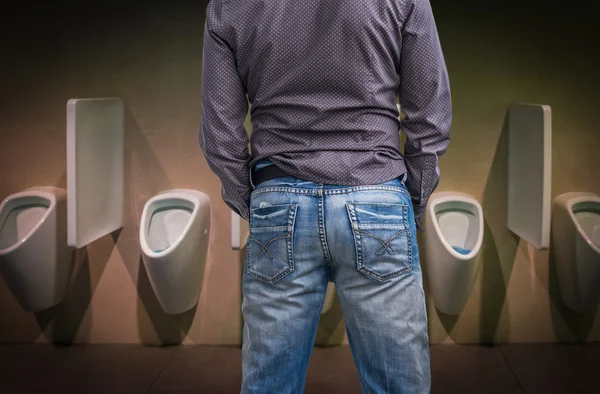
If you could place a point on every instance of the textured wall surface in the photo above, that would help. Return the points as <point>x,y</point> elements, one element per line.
<point>150,56</point>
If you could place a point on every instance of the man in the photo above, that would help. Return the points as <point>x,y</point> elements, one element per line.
<point>332,199</point>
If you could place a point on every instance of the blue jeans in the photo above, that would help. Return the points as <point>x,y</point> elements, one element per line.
<point>363,239</point>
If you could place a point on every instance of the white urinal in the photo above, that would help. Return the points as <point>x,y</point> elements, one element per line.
<point>174,236</point>
<point>453,239</point>
<point>35,260</point>
<point>576,244</point>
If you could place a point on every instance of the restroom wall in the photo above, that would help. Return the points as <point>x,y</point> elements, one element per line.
<point>150,56</point>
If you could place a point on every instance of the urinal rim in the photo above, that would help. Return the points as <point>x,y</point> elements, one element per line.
<point>24,194</point>
<point>459,197</point>
<point>164,196</point>
<point>576,199</point>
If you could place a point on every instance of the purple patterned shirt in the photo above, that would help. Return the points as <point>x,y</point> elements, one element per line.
<point>323,77</point>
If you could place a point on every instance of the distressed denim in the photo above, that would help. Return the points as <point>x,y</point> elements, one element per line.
<point>363,239</point>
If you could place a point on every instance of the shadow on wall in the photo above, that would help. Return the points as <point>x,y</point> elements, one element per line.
<point>499,243</point>
<point>61,323</point>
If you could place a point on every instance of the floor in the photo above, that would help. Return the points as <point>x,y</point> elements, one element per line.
<point>506,369</point>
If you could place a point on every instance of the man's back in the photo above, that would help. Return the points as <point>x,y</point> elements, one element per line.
<point>322,78</point>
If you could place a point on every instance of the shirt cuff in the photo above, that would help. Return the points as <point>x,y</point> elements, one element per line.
<point>245,213</point>
<point>418,213</point>
<point>238,201</point>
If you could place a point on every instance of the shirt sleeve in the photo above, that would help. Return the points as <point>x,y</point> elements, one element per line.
<point>425,101</point>
<point>223,138</point>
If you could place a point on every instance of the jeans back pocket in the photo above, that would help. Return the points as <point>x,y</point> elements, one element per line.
<point>269,248</point>
<point>382,238</point>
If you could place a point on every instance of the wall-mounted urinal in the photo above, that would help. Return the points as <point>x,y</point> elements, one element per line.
<point>453,239</point>
<point>174,236</point>
<point>576,244</point>
<point>35,259</point>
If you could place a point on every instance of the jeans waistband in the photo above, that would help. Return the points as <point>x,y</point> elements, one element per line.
<point>401,180</point>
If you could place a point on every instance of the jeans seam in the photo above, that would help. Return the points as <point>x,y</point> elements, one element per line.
<point>321,216</point>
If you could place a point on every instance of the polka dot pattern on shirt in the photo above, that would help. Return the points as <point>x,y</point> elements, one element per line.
<point>323,77</point>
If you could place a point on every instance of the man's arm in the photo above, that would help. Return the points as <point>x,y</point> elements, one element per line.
<point>425,100</point>
<point>223,138</point>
